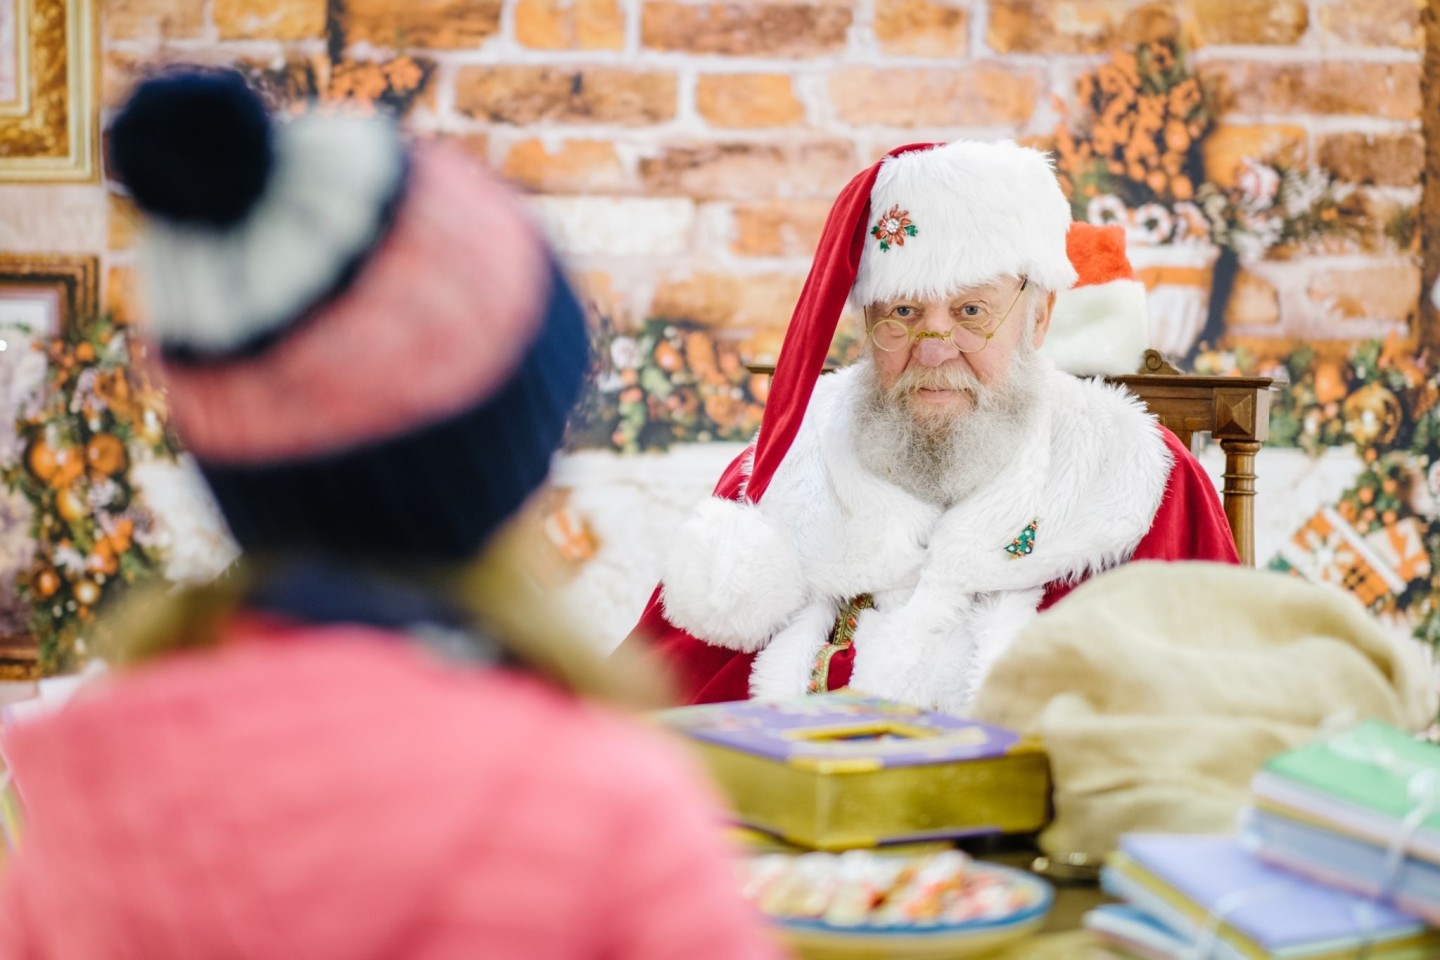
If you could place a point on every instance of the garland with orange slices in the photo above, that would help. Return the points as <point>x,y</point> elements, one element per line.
<point>96,414</point>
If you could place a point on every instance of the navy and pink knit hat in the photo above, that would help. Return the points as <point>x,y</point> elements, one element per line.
<point>367,344</point>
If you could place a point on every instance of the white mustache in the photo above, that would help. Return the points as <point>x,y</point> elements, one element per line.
<point>935,378</point>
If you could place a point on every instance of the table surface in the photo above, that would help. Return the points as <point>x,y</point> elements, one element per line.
<point>1075,945</point>
<point>1062,937</point>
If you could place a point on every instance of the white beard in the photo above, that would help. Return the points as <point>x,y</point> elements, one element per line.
<point>945,462</point>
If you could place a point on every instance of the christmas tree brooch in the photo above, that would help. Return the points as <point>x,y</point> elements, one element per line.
<point>1024,542</point>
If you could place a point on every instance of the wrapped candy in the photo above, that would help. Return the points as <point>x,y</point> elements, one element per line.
<point>864,882</point>
<point>869,889</point>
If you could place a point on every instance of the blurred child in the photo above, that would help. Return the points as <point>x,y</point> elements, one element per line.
<point>370,741</point>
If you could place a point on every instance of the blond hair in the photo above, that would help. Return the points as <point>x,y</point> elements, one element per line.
<point>500,591</point>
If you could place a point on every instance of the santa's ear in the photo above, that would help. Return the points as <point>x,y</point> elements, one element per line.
<point>1040,328</point>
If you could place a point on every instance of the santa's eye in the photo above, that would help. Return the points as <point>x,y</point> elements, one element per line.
<point>904,313</point>
<point>972,311</point>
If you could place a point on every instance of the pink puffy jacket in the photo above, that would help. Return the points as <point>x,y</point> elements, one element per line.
<point>331,793</point>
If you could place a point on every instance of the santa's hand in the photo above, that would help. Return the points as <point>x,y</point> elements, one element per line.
<point>732,577</point>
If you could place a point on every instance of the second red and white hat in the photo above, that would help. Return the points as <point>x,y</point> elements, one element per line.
<point>1100,326</point>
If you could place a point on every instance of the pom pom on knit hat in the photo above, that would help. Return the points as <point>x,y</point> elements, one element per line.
<point>375,353</point>
<point>1099,327</point>
<point>253,224</point>
<point>194,147</point>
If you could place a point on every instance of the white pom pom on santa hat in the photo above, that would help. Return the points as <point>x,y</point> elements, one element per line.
<point>1100,326</point>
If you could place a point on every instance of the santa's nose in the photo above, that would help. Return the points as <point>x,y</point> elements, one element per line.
<point>933,351</point>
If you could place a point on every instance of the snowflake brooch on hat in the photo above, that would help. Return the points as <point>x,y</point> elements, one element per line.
<point>894,227</point>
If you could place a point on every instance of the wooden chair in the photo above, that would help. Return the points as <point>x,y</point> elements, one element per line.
<point>1235,411</point>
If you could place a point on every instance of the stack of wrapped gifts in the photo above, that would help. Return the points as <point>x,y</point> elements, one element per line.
<point>1338,857</point>
<point>1360,811</point>
<point>1209,897</point>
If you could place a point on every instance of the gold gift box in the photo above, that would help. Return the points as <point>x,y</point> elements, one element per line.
<point>838,771</point>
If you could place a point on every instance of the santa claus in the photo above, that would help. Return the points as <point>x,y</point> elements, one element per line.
<point>896,523</point>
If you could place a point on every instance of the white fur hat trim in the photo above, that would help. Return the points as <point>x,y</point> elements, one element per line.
<point>978,211</point>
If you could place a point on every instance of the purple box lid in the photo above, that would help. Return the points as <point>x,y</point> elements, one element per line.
<point>841,727</point>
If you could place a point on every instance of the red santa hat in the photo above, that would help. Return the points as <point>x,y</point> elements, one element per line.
<point>1099,328</point>
<point>927,220</point>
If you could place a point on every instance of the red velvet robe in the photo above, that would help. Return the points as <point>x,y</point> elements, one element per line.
<point>1189,525</point>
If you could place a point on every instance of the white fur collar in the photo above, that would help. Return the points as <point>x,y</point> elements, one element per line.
<point>1091,472</point>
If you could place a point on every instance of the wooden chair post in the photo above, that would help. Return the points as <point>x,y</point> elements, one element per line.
<point>1238,493</point>
<point>1235,411</point>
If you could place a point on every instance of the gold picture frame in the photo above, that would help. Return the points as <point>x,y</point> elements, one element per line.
<point>49,124</point>
<point>44,294</point>
<point>72,280</point>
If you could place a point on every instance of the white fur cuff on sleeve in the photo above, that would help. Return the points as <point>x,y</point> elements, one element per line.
<point>732,577</point>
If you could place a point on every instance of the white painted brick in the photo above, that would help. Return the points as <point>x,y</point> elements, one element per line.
<point>618,227</point>
<point>52,219</point>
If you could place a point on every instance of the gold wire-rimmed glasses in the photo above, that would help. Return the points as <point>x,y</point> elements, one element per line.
<point>969,335</point>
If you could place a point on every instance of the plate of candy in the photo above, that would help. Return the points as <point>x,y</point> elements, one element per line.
<point>871,904</point>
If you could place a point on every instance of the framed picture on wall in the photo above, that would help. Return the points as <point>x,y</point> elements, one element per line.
<point>40,296</point>
<point>48,117</point>
<point>45,292</point>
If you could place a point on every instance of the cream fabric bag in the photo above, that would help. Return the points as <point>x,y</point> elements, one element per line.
<point>1160,688</point>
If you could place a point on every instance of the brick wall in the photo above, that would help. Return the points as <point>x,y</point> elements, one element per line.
<point>685,153</point>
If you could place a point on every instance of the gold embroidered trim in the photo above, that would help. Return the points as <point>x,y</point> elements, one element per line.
<point>842,637</point>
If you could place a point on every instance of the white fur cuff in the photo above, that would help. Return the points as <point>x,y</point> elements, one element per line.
<point>732,577</point>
